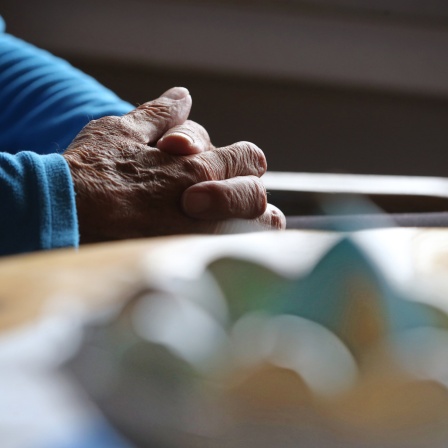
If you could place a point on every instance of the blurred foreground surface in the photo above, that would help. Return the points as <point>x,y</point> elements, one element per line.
<point>295,338</point>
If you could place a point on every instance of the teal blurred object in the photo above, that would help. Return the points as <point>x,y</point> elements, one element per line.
<point>346,289</point>
<point>348,294</point>
<point>249,286</point>
<point>243,356</point>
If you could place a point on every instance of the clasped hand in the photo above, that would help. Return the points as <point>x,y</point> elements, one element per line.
<point>153,172</point>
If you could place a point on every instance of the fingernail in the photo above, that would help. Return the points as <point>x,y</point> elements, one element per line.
<point>176,93</point>
<point>178,143</point>
<point>178,134</point>
<point>196,203</point>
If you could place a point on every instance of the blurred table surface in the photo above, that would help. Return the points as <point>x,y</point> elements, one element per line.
<point>105,274</point>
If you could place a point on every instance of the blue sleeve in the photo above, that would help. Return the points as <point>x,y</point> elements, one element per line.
<point>37,210</point>
<point>44,102</point>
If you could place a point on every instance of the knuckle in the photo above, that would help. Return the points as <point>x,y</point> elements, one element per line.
<point>159,108</point>
<point>254,197</point>
<point>108,122</point>
<point>112,119</point>
<point>259,197</point>
<point>201,169</point>
<point>253,156</point>
<point>121,127</point>
<point>104,125</point>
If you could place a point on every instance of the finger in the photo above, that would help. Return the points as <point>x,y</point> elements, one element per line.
<point>272,219</point>
<point>176,93</point>
<point>239,159</point>
<point>239,197</point>
<point>151,120</point>
<point>185,139</point>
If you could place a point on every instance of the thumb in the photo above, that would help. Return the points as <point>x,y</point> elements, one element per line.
<point>175,93</point>
<point>154,118</point>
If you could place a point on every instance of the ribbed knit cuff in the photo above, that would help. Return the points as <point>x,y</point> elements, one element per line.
<point>63,223</point>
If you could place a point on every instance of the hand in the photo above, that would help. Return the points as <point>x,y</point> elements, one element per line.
<point>238,197</point>
<point>127,188</point>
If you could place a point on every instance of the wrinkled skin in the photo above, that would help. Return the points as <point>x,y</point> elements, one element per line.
<point>146,173</point>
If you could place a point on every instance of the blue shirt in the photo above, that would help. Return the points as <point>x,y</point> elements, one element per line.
<point>44,102</point>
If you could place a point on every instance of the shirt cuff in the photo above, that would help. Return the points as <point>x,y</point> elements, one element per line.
<point>62,225</point>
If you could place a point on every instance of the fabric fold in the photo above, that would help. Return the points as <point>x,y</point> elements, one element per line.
<point>38,208</point>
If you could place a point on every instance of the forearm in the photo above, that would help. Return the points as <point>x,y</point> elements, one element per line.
<point>37,208</point>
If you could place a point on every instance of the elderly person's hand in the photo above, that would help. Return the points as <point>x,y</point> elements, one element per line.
<point>151,172</point>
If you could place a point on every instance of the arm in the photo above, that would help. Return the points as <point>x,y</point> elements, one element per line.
<point>37,208</point>
<point>45,101</point>
<point>125,186</point>
<point>37,196</point>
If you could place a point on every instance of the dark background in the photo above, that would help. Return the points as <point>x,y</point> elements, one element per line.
<point>320,86</point>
